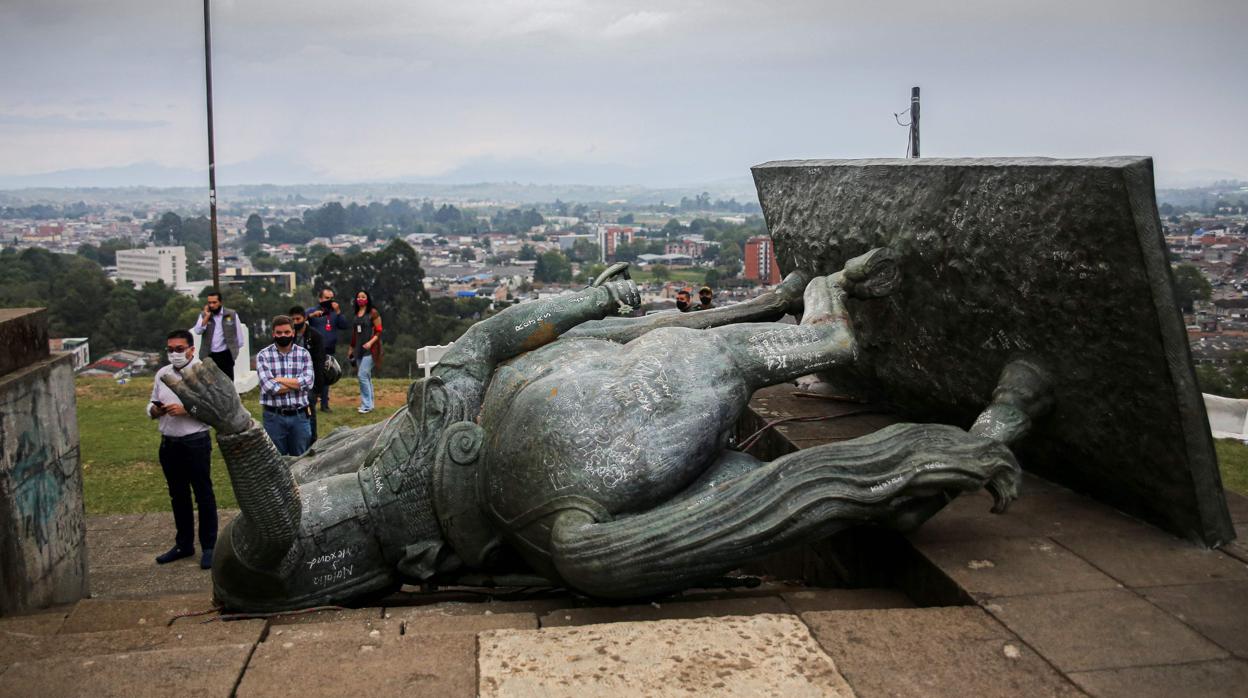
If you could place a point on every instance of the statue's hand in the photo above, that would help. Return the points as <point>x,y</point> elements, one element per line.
<point>625,294</point>
<point>871,275</point>
<point>616,271</point>
<point>209,396</point>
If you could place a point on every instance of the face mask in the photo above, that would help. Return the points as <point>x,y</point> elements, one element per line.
<point>706,300</point>
<point>178,359</point>
<point>298,326</point>
<point>283,341</point>
<point>682,304</point>
<point>361,302</point>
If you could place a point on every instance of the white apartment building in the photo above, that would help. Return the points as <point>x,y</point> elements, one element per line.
<point>166,264</point>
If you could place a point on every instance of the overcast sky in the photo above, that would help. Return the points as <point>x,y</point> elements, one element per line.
<point>622,91</point>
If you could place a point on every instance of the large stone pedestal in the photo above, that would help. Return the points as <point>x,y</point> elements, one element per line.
<point>43,551</point>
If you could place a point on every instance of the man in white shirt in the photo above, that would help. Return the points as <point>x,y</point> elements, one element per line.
<point>185,458</point>
<point>222,330</point>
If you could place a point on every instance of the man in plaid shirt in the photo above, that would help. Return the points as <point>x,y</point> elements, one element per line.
<point>286,379</point>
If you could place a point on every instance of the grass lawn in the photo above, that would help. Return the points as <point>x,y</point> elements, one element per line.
<point>1233,461</point>
<point>121,473</point>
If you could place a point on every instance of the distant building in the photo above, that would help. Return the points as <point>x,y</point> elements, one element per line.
<point>669,259</point>
<point>760,260</point>
<point>282,280</point>
<point>167,264</point>
<point>121,364</point>
<point>610,237</point>
<point>692,246</point>
<point>79,347</point>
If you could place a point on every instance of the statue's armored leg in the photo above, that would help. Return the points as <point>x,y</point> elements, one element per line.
<point>802,496</point>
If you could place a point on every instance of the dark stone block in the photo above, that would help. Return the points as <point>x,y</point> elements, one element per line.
<point>1059,260</point>
<point>23,337</point>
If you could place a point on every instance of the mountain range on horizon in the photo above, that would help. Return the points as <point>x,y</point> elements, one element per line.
<point>516,182</point>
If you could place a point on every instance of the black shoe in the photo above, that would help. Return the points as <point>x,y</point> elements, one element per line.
<point>325,408</point>
<point>175,553</point>
<point>205,562</point>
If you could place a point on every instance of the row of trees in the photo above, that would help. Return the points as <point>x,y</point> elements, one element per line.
<point>377,221</point>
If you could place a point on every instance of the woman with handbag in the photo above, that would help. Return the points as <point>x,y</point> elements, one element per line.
<point>365,349</point>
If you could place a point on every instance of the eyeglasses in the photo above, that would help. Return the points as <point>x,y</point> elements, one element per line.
<point>175,350</point>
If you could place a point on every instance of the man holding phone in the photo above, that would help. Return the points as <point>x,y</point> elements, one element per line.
<point>222,330</point>
<point>185,458</point>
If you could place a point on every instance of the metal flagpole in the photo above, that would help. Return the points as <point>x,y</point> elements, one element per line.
<point>212,160</point>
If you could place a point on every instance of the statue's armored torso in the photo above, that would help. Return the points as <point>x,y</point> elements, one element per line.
<point>602,427</point>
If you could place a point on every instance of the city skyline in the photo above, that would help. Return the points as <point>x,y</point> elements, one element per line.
<point>563,91</point>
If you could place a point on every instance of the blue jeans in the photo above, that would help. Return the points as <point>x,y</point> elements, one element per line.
<point>365,374</point>
<point>290,433</point>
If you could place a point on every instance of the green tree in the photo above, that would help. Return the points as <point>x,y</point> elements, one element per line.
<point>661,272</point>
<point>527,253</point>
<point>1190,285</point>
<point>254,228</point>
<point>168,229</point>
<point>552,267</point>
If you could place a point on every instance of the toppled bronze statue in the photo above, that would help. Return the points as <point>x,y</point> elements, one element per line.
<point>557,440</point>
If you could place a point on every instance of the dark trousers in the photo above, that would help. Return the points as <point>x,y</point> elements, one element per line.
<point>224,361</point>
<point>322,391</point>
<point>312,421</point>
<point>290,433</point>
<point>186,462</point>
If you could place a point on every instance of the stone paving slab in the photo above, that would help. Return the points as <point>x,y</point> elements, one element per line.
<point>415,626</point>
<point>1154,558</point>
<point>951,651</point>
<point>969,517</point>
<point>373,630</point>
<point>110,522</point>
<point>845,599</point>
<point>194,671</point>
<point>1059,512</point>
<point>993,567</point>
<point>47,623</point>
<point>93,615</point>
<point>433,665</point>
<point>1238,506</point>
<point>24,648</point>
<point>762,655</point>
<point>540,606</point>
<point>663,611</point>
<point>1219,611</point>
<point>1217,679</point>
<point>149,581</point>
<point>1238,548</point>
<point>1088,630</point>
<point>328,616</point>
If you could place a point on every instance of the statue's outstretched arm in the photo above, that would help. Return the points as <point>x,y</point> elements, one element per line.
<point>528,326</point>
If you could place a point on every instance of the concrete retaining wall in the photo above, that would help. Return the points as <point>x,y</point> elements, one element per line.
<point>43,551</point>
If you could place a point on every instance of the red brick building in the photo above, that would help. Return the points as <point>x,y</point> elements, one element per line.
<point>760,260</point>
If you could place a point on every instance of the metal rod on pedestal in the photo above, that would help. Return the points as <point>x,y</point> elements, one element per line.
<point>914,122</point>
